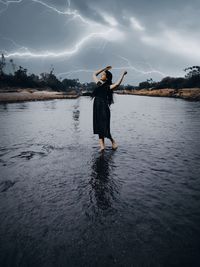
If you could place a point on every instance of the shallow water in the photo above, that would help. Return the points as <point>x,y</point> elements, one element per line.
<point>62,203</point>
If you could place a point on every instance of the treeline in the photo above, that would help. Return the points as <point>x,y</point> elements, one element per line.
<point>18,77</point>
<point>12,75</point>
<point>191,80</point>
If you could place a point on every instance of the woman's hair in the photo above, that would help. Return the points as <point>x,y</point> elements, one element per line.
<point>108,76</point>
<point>110,91</point>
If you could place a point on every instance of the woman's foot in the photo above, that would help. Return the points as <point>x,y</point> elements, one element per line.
<point>102,145</point>
<point>114,145</point>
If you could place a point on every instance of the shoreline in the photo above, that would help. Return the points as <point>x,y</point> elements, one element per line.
<point>12,95</point>
<point>192,94</point>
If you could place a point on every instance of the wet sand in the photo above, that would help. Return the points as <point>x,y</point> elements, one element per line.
<point>185,93</point>
<point>18,95</point>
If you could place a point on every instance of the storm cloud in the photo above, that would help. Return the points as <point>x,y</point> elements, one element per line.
<point>149,39</point>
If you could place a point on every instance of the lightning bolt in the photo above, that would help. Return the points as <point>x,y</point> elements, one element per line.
<point>131,67</point>
<point>69,73</point>
<point>74,13</point>
<point>60,54</point>
<point>68,11</point>
<point>69,52</point>
<point>13,42</point>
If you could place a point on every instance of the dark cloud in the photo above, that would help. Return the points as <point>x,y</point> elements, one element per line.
<point>157,36</point>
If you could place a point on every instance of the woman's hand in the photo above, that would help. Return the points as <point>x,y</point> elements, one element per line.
<point>99,71</point>
<point>108,67</point>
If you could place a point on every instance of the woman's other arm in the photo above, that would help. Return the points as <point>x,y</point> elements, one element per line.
<point>115,85</point>
<point>99,71</point>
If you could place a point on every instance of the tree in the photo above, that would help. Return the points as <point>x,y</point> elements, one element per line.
<point>49,79</point>
<point>2,64</point>
<point>13,65</point>
<point>192,78</point>
<point>193,71</point>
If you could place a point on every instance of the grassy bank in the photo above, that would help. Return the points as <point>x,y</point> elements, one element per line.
<point>185,93</point>
<point>18,95</point>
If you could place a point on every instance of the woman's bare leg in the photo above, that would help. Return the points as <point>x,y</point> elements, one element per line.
<point>101,142</point>
<point>114,144</point>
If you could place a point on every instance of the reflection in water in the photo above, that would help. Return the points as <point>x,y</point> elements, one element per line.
<point>23,105</point>
<point>50,105</point>
<point>4,107</point>
<point>76,115</point>
<point>104,186</point>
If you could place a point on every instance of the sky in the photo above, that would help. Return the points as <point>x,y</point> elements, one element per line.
<point>147,38</point>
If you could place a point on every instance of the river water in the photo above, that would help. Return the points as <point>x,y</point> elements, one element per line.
<point>63,203</point>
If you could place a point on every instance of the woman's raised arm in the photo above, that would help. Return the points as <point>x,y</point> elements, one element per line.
<point>115,85</point>
<point>99,71</point>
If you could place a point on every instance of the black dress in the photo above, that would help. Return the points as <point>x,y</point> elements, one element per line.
<point>101,110</point>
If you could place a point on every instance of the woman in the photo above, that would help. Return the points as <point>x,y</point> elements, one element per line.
<point>103,98</point>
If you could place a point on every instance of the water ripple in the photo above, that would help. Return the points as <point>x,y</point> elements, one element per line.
<point>65,204</point>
